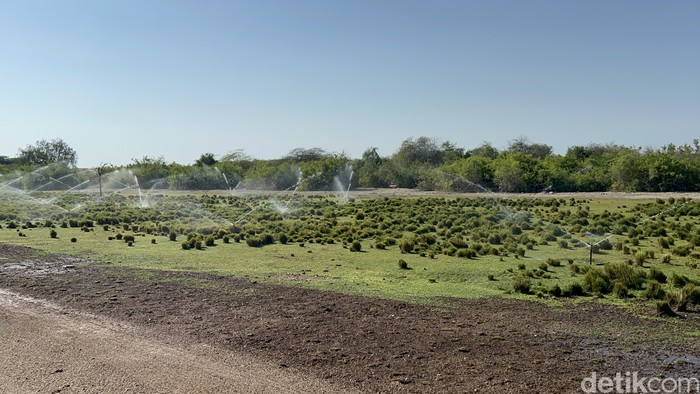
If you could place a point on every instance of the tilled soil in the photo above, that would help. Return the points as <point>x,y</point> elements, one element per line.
<point>374,345</point>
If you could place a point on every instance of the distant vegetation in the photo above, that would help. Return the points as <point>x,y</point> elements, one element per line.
<point>422,163</point>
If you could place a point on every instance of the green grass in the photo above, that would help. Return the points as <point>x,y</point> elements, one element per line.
<point>328,267</point>
<point>372,272</point>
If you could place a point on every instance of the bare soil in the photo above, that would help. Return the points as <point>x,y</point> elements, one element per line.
<point>268,336</point>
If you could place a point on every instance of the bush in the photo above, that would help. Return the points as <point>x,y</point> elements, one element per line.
<point>555,291</point>
<point>573,290</point>
<point>630,277</point>
<point>656,275</point>
<point>130,243</point>
<point>654,291</point>
<point>209,241</point>
<point>679,280</point>
<point>254,242</point>
<point>458,242</point>
<point>522,285</point>
<point>185,245</point>
<point>226,239</point>
<point>268,239</point>
<point>153,241</point>
<point>663,308</point>
<point>681,250</point>
<point>283,238</point>
<point>406,245</point>
<point>172,236</point>
<point>403,264</point>
<point>666,259</point>
<point>129,238</point>
<point>466,253</point>
<point>597,281</point>
<point>620,290</point>
<point>119,236</point>
<point>74,239</point>
<point>553,262</point>
<point>53,233</point>
<point>356,246</point>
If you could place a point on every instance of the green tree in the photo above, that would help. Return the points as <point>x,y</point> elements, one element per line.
<point>45,152</point>
<point>518,172</point>
<point>206,159</point>
<point>523,145</point>
<point>370,171</point>
<point>627,172</point>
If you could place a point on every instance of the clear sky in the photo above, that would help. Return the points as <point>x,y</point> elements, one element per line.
<point>120,79</point>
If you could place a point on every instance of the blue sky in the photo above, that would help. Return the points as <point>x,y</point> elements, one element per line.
<point>118,80</point>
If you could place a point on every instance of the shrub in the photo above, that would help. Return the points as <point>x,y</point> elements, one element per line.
<point>681,250</point>
<point>356,246</point>
<point>119,236</point>
<point>254,242</point>
<point>406,245</point>
<point>630,277</point>
<point>458,242</point>
<point>522,285</point>
<point>130,243</point>
<point>654,291</point>
<point>553,262</point>
<point>666,259</point>
<point>185,245</point>
<point>226,239</point>
<point>679,280</point>
<point>268,239</point>
<point>283,238</point>
<point>573,290</point>
<point>53,233</point>
<point>555,291</point>
<point>620,290</point>
<point>209,241</point>
<point>466,253</point>
<point>172,236</point>
<point>74,239</point>
<point>403,264</point>
<point>596,281</point>
<point>491,277</point>
<point>656,275</point>
<point>129,238</point>
<point>663,308</point>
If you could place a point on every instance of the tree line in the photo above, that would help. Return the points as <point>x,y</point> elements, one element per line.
<point>421,163</point>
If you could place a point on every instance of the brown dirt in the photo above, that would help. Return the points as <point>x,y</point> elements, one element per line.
<point>351,342</point>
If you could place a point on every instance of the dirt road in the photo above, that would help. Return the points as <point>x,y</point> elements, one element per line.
<point>46,348</point>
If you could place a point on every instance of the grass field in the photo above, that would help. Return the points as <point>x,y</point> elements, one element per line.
<point>415,248</point>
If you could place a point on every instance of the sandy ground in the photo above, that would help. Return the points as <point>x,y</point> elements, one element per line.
<point>47,348</point>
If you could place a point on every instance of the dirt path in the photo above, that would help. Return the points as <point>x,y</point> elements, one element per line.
<point>107,329</point>
<point>46,348</point>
